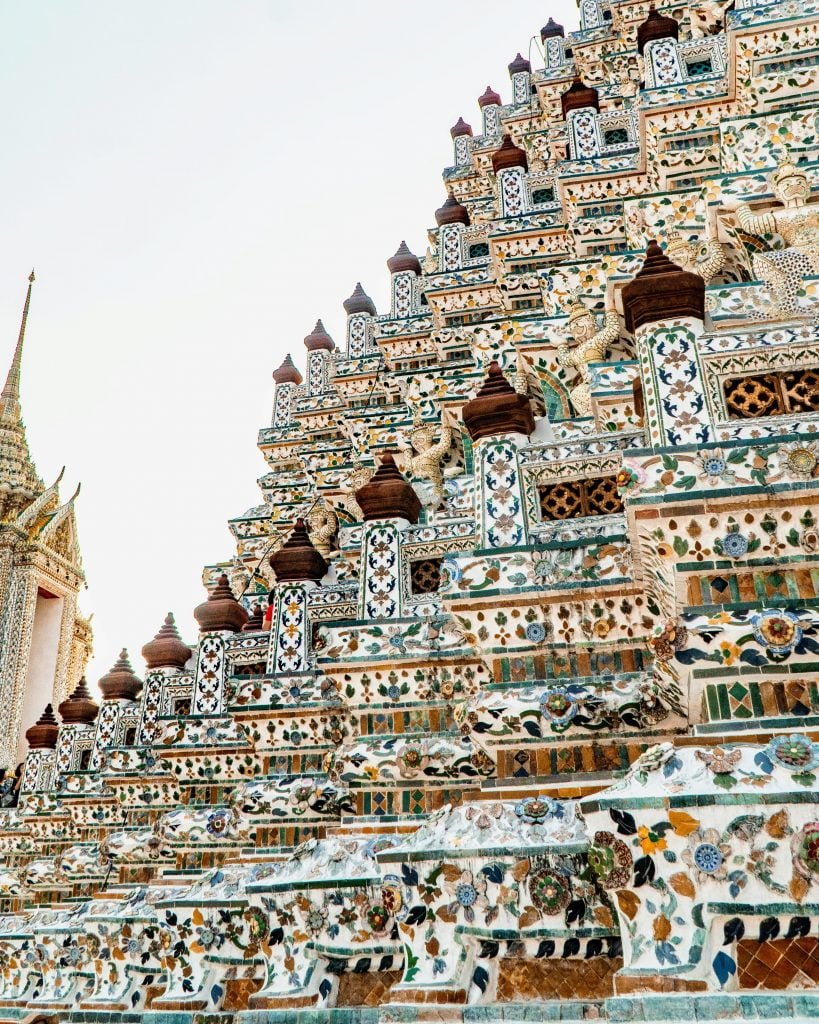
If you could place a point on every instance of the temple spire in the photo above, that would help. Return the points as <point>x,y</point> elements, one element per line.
<point>10,411</point>
<point>19,482</point>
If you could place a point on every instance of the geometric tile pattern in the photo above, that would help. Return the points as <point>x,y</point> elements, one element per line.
<point>780,964</point>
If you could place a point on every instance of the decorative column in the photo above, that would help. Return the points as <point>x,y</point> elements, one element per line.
<point>511,165</point>
<point>63,681</point>
<point>165,657</point>
<point>657,42</point>
<point>38,771</point>
<point>319,345</point>
<point>580,105</point>
<point>461,133</point>
<point>389,505</point>
<point>405,271</point>
<point>520,71</point>
<point>299,568</point>
<point>287,379</point>
<point>591,14</point>
<point>219,617</point>
<point>75,743</point>
<point>360,310</point>
<point>664,309</point>
<point>552,36</point>
<point>120,688</point>
<point>17,626</point>
<point>499,421</point>
<point>490,104</point>
<point>451,219</point>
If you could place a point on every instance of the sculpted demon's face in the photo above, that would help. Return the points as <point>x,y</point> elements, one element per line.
<point>679,251</point>
<point>583,327</point>
<point>792,188</point>
<point>422,439</point>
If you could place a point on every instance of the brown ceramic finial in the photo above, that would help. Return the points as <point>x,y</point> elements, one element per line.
<point>509,155</point>
<point>497,408</point>
<point>662,291</point>
<point>551,30</point>
<point>319,339</point>
<point>121,683</point>
<point>43,734</point>
<point>452,212</point>
<point>520,63</point>
<point>79,708</point>
<point>359,302</point>
<point>656,26</point>
<point>489,98</point>
<point>256,621</point>
<point>297,560</point>
<point>578,96</point>
<point>221,613</point>
<point>388,494</point>
<point>287,373</point>
<point>166,650</point>
<point>460,128</point>
<point>403,260</point>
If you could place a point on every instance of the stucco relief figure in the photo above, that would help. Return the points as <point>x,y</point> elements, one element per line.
<point>423,460</point>
<point>591,343</point>
<point>238,576</point>
<point>624,77</point>
<point>784,269</point>
<point>322,524</point>
<point>708,18</point>
<point>635,222</point>
<point>706,261</point>
<point>359,475</point>
<point>548,148</point>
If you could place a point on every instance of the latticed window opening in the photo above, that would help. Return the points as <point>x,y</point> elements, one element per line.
<point>478,249</point>
<point>573,499</point>
<point>699,66</point>
<point>543,195</point>
<point>253,668</point>
<point>182,706</point>
<point>425,575</point>
<point>615,136</point>
<point>464,319</point>
<point>772,394</point>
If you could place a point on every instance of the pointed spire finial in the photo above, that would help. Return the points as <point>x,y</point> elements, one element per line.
<point>10,411</point>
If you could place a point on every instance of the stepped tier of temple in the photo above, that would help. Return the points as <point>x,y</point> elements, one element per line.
<point>507,705</point>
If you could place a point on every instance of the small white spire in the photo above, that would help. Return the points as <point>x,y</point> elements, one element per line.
<point>10,410</point>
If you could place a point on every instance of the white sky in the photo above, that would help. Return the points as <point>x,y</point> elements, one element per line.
<point>195,182</point>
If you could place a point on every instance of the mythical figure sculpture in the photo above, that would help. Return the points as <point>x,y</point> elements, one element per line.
<point>356,478</point>
<point>592,343</point>
<point>426,463</point>
<point>238,576</point>
<point>624,76</point>
<point>549,148</point>
<point>520,381</point>
<point>688,256</point>
<point>783,269</point>
<point>708,18</point>
<point>322,524</point>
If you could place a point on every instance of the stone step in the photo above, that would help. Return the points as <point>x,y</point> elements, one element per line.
<point>756,1006</point>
